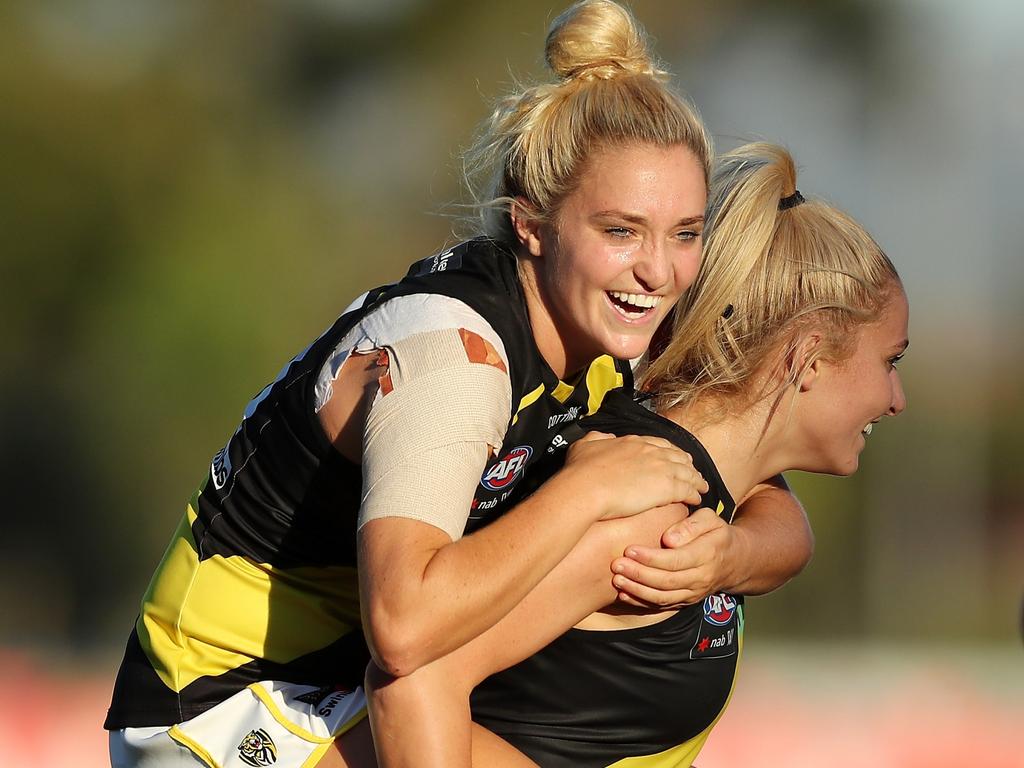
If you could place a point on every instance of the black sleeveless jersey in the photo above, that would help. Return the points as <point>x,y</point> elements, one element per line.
<point>644,696</point>
<point>259,580</point>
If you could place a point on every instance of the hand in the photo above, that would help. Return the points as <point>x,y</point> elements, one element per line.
<point>624,476</point>
<point>696,560</point>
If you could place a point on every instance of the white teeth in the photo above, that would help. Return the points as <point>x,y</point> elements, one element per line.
<point>642,300</point>
<point>867,429</point>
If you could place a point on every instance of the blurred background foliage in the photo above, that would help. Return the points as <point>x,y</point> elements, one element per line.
<point>191,191</point>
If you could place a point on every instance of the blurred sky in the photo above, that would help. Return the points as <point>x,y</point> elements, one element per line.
<point>193,190</point>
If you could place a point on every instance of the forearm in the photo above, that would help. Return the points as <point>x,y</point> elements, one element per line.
<point>430,705</point>
<point>576,587</point>
<point>447,593</point>
<point>424,595</point>
<point>422,721</point>
<point>773,541</point>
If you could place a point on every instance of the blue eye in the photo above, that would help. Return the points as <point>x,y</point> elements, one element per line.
<point>688,235</point>
<point>618,231</point>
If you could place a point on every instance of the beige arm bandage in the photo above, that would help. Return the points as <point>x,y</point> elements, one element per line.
<point>441,407</point>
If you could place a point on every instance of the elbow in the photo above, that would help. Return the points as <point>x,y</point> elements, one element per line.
<point>396,661</point>
<point>398,648</point>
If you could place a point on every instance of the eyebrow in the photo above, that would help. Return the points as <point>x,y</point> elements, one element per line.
<point>636,218</point>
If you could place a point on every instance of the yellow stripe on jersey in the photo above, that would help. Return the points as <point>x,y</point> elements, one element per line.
<point>205,617</point>
<point>683,755</point>
<point>562,391</point>
<point>528,399</point>
<point>602,378</point>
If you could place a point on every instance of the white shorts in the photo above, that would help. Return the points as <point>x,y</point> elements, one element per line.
<point>269,723</point>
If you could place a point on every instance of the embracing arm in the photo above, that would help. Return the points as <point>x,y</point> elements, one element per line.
<point>769,542</point>
<point>432,705</point>
<point>424,594</point>
<point>423,720</point>
<point>777,541</point>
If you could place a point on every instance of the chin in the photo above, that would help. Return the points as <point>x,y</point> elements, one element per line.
<point>627,347</point>
<point>833,465</point>
<point>848,467</point>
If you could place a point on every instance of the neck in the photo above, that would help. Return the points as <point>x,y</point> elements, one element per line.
<point>545,334</point>
<point>746,444</point>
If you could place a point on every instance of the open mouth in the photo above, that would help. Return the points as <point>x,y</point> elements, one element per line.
<point>633,306</point>
<point>867,430</point>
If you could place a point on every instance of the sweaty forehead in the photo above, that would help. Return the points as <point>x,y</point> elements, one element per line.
<point>642,180</point>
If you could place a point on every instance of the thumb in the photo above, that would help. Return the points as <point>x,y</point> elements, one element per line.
<point>689,528</point>
<point>590,437</point>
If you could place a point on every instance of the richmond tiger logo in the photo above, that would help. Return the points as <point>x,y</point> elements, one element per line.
<point>258,749</point>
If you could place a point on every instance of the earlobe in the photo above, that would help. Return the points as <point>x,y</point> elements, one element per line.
<point>809,377</point>
<point>806,362</point>
<point>526,226</point>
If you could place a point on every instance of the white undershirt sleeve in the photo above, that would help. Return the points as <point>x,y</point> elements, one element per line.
<point>443,404</point>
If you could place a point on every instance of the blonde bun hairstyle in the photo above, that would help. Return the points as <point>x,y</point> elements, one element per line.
<point>609,92</point>
<point>597,39</point>
<point>768,271</point>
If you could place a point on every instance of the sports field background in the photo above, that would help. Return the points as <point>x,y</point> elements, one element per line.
<point>190,191</point>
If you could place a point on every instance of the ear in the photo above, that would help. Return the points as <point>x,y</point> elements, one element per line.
<point>526,225</point>
<point>804,362</point>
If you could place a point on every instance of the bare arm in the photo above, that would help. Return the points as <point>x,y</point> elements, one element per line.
<point>431,705</point>
<point>435,698</point>
<point>769,542</point>
<point>423,595</point>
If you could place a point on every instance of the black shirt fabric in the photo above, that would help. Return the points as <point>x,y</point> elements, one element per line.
<point>630,697</point>
<point>259,581</point>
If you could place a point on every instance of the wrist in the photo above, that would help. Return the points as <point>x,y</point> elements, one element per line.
<point>738,559</point>
<point>573,491</point>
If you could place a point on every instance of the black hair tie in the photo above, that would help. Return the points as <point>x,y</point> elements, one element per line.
<point>791,202</point>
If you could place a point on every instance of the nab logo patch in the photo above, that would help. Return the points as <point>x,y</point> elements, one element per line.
<point>719,609</point>
<point>503,474</point>
<point>258,749</point>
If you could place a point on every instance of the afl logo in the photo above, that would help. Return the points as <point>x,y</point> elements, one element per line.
<point>503,474</point>
<point>719,609</point>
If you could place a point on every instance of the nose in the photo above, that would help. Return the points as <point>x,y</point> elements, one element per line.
<point>653,267</point>
<point>899,399</point>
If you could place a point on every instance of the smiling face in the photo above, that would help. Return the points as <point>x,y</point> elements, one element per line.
<point>622,248</point>
<point>839,403</point>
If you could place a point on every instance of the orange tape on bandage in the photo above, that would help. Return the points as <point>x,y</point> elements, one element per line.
<point>480,350</point>
<point>383,361</point>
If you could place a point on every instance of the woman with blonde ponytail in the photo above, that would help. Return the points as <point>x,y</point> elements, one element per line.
<point>783,356</point>
<point>390,496</point>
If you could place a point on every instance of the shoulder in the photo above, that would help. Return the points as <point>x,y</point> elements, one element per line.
<point>412,315</point>
<point>621,414</point>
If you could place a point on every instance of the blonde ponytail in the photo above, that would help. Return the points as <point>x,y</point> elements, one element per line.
<point>764,271</point>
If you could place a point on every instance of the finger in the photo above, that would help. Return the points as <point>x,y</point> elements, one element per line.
<point>695,525</point>
<point>674,577</point>
<point>659,558</point>
<point>658,442</point>
<point>594,436</point>
<point>628,599</point>
<point>656,597</point>
<point>692,486</point>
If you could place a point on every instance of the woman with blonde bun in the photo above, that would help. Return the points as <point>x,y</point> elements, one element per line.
<point>380,498</point>
<point>783,356</point>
